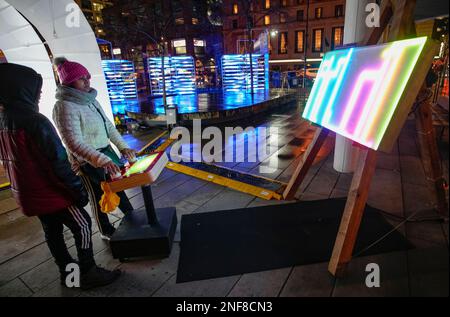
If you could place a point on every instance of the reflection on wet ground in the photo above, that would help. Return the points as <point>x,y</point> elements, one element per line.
<point>203,102</point>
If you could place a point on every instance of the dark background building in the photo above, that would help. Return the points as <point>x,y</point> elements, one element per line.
<point>185,27</point>
<point>284,23</point>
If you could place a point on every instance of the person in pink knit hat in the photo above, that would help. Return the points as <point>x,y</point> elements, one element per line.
<point>88,134</point>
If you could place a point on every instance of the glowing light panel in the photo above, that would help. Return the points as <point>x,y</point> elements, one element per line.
<point>357,90</point>
<point>141,165</point>
<point>236,72</point>
<point>179,72</point>
<point>121,82</point>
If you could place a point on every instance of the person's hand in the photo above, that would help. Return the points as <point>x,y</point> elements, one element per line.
<point>111,168</point>
<point>129,155</point>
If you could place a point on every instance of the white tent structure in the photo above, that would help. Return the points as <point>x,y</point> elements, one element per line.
<point>66,33</point>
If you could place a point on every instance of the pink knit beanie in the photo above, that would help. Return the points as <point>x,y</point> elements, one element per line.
<point>70,71</point>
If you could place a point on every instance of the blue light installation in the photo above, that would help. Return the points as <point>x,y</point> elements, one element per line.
<point>236,72</point>
<point>121,81</point>
<point>179,72</point>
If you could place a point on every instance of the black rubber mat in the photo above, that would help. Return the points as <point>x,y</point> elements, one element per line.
<point>226,243</point>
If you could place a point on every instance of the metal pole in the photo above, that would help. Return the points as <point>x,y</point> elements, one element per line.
<point>149,206</point>
<point>250,55</point>
<point>306,45</point>
<point>164,77</point>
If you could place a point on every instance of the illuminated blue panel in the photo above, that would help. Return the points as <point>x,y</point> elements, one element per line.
<point>179,72</point>
<point>236,72</point>
<point>121,81</point>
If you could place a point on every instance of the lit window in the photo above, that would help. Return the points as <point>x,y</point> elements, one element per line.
<point>319,12</point>
<point>267,4</point>
<point>179,21</point>
<point>283,42</point>
<point>337,37</point>
<point>282,17</point>
<point>200,43</point>
<point>339,11</point>
<point>179,46</point>
<point>284,3</point>
<point>299,41</point>
<point>317,40</point>
<point>235,8</point>
<point>267,20</point>
<point>194,21</point>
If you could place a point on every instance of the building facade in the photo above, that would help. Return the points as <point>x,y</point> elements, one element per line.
<point>183,25</point>
<point>93,11</point>
<point>293,28</point>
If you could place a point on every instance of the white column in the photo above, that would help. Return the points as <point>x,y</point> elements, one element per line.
<point>345,154</point>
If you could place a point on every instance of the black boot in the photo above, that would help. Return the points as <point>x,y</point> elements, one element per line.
<point>97,277</point>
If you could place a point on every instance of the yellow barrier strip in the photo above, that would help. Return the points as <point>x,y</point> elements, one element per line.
<point>152,141</point>
<point>223,181</point>
<point>4,185</point>
<point>165,145</point>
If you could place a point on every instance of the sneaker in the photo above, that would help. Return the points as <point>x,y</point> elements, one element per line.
<point>97,277</point>
<point>106,237</point>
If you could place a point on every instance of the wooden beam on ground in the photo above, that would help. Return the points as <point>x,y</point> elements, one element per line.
<point>305,163</point>
<point>353,212</point>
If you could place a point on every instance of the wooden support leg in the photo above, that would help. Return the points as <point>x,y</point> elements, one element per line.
<point>354,209</point>
<point>305,163</point>
<point>430,156</point>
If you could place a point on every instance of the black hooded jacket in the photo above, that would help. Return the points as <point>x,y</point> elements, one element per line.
<point>31,152</point>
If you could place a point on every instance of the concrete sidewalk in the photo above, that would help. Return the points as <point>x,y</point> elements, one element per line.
<point>399,188</point>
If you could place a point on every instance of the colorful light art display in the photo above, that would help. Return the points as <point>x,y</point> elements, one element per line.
<point>179,72</point>
<point>236,72</point>
<point>121,81</point>
<point>141,165</point>
<point>357,90</point>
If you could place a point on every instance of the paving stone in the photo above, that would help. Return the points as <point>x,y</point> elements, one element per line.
<point>140,277</point>
<point>218,287</point>
<point>426,234</point>
<point>19,236</point>
<point>312,280</point>
<point>412,170</point>
<point>385,192</point>
<point>260,284</point>
<point>228,199</point>
<point>418,198</point>
<point>393,277</point>
<point>428,272</point>
<point>15,288</point>
<point>204,194</point>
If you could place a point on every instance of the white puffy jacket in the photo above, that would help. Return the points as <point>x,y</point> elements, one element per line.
<point>84,127</point>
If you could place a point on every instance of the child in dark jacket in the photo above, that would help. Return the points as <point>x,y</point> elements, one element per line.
<point>41,177</point>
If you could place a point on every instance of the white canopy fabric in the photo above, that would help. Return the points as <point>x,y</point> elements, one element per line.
<point>22,45</point>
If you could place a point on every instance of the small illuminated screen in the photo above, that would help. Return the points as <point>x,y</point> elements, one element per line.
<point>357,90</point>
<point>141,165</point>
